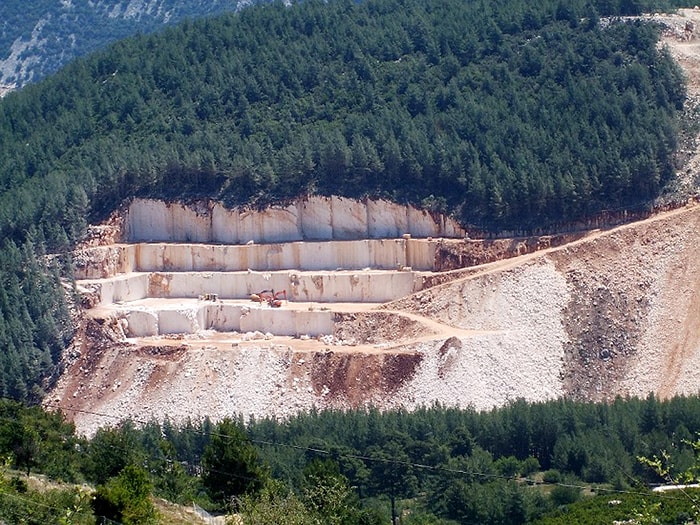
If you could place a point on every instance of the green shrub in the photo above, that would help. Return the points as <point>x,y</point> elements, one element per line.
<point>551,476</point>
<point>126,498</point>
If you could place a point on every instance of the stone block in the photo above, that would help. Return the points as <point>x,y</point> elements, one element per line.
<point>386,220</point>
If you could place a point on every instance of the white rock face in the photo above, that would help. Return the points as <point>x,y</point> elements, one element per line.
<point>222,317</point>
<point>272,225</point>
<point>315,218</point>
<point>322,287</point>
<point>521,358</point>
<point>420,254</point>
<point>224,224</point>
<point>126,287</point>
<point>382,254</point>
<point>206,251</point>
<point>349,219</point>
<point>421,224</point>
<point>148,220</point>
<point>386,220</point>
<point>103,261</point>
<point>154,320</point>
<point>509,330</point>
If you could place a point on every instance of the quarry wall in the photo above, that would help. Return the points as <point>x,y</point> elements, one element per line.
<point>315,218</point>
<point>148,321</point>
<point>388,254</point>
<point>317,250</point>
<point>370,286</point>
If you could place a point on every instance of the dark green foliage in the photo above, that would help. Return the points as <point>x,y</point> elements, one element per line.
<point>391,468</point>
<point>231,465</point>
<point>344,467</point>
<point>671,509</point>
<point>497,502</point>
<point>274,504</point>
<point>34,320</point>
<point>529,465</point>
<point>329,498</point>
<point>126,498</point>
<point>170,477</point>
<point>565,494</point>
<point>551,476</point>
<point>33,439</point>
<point>111,450</point>
<point>51,507</point>
<point>590,444</point>
<point>504,116</point>
<point>508,467</point>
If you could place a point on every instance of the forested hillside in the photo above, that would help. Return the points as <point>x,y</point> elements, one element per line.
<point>37,37</point>
<point>440,466</point>
<point>510,114</point>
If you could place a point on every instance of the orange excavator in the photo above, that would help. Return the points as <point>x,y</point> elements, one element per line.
<point>272,298</point>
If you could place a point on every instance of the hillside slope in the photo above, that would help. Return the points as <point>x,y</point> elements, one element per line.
<point>504,124</point>
<point>39,37</point>
<point>616,312</point>
<point>627,304</point>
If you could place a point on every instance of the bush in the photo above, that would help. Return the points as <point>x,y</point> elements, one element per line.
<point>529,465</point>
<point>126,498</point>
<point>18,484</point>
<point>508,466</point>
<point>551,476</point>
<point>562,495</point>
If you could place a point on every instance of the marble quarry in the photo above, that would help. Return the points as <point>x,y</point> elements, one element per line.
<point>181,269</point>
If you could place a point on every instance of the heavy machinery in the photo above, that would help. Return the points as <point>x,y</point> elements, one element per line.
<point>272,298</point>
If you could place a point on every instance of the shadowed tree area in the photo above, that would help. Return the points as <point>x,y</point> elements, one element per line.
<point>231,466</point>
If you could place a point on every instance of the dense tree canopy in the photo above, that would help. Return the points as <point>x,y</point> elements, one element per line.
<point>35,324</point>
<point>510,465</point>
<point>231,466</point>
<point>515,114</point>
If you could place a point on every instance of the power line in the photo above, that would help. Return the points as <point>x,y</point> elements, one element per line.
<point>434,468</point>
<point>50,507</point>
<point>30,501</point>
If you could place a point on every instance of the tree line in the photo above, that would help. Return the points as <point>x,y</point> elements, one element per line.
<point>438,465</point>
<point>505,115</point>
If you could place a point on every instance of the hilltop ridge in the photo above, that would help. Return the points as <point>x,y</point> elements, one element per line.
<point>38,38</point>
